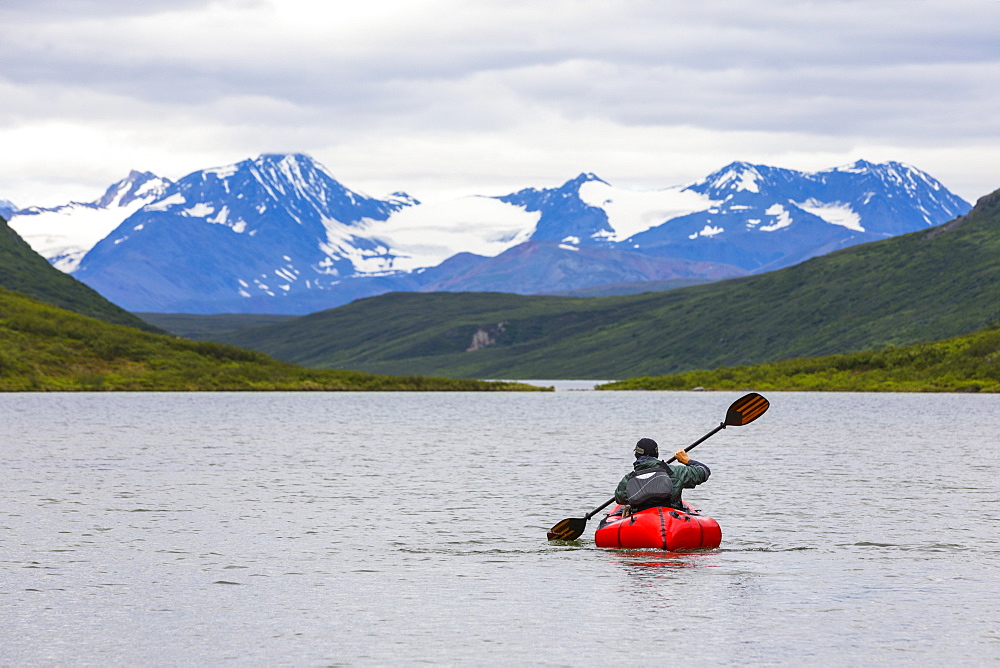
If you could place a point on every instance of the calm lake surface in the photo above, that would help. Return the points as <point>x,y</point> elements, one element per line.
<point>383,528</point>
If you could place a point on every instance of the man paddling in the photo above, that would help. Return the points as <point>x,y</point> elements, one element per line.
<point>743,411</point>
<point>656,483</point>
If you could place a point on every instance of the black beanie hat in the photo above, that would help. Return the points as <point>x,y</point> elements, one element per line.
<point>648,447</point>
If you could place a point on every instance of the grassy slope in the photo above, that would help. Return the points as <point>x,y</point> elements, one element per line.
<point>202,327</point>
<point>47,348</point>
<point>25,271</point>
<point>969,363</point>
<point>631,288</point>
<point>427,330</point>
<point>918,287</point>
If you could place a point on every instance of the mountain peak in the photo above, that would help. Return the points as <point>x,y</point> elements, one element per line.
<point>284,157</point>
<point>584,177</point>
<point>294,182</point>
<point>292,162</point>
<point>903,179</point>
<point>137,185</point>
<point>856,167</point>
<point>879,168</point>
<point>736,176</point>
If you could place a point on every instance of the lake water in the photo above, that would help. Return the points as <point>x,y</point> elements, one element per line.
<point>395,528</point>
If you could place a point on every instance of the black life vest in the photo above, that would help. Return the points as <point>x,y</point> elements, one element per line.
<point>649,487</point>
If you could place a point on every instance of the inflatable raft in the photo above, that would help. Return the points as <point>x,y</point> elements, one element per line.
<point>661,528</point>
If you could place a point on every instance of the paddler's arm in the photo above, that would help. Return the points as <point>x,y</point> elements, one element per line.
<point>692,473</point>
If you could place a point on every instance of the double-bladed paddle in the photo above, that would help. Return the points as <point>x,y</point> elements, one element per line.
<point>743,411</point>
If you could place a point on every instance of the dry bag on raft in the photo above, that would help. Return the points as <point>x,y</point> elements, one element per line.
<point>649,487</point>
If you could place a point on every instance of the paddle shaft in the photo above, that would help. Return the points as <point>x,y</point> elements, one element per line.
<point>704,438</point>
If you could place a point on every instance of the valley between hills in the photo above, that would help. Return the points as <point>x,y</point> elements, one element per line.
<point>890,298</point>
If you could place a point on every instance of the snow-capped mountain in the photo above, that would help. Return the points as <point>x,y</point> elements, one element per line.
<point>280,234</point>
<point>764,218</point>
<point>564,215</point>
<point>63,234</point>
<point>258,230</point>
<point>750,217</point>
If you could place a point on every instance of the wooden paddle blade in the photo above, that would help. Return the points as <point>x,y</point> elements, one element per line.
<point>569,529</point>
<point>746,409</point>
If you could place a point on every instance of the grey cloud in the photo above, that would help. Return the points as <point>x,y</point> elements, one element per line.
<point>58,10</point>
<point>878,70</point>
<point>703,37</point>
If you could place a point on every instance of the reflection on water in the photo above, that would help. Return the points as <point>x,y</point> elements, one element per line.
<point>653,564</point>
<point>316,529</point>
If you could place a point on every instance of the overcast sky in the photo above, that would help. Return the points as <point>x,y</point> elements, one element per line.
<point>447,97</point>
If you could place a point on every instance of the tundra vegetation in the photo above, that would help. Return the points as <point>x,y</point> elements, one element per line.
<point>969,363</point>
<point>45,348</point>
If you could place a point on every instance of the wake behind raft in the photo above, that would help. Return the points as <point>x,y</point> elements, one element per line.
<point>659,527</point>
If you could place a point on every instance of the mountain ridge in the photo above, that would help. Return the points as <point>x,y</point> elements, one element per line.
<point>279,234</point>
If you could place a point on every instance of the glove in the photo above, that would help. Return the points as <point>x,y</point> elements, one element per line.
<point>682,457</point>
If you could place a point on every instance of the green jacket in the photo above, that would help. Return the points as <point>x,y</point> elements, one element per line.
<point>683,477</point>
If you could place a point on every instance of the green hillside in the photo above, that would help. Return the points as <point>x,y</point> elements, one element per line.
<point>630,288</point>
<point>209,327</point>
<point>969,363</point>
<point>44,348</point>
<point>919,287</point>
<point>27,272</point>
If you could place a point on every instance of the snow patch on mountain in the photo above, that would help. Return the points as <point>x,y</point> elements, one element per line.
<point>372,258</point>
<point>427,235</point>
<point>167,203</point>
<point>835,213</point>
<point>633,211</point>
<point>201,210</point>
<point>781,218</point>
<point>707,231</point>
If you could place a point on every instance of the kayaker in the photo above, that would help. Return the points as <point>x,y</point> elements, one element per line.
<point>689,475</point>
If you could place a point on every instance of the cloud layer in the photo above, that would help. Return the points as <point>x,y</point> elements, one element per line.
<point>446,96</point>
